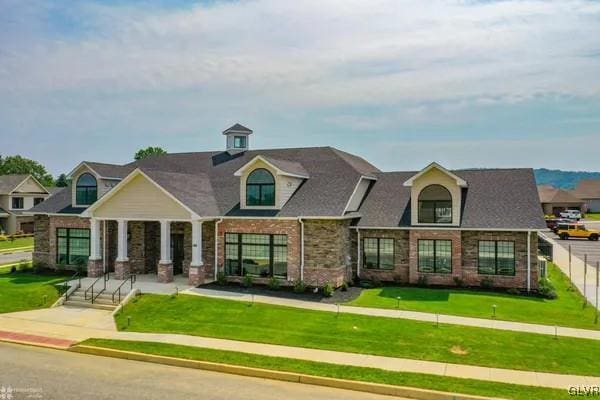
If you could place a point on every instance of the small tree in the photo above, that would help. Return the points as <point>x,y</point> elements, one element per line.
<point>149,151</point>
<point>16,165</point>
<point>62,181</point>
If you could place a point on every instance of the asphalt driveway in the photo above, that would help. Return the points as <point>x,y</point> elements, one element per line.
<point>580,247</point>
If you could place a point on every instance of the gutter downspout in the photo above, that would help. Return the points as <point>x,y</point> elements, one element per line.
<point>217,246</point>
<point>357,252</point>
<point>301,249</point>
<point>104,245</point>
<point>528,261</point>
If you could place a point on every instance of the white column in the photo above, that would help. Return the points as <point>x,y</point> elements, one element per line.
<point>122,240</point>
<point>197,243</point>
<point>165,242</point>
<point>95,240</point>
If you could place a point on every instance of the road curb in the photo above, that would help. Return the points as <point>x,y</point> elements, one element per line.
<point>367,387</point>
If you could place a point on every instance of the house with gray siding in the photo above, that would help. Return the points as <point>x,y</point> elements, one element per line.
<point>318,215</point>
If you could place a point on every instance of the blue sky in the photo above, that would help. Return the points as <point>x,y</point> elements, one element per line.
<point>401,83</point>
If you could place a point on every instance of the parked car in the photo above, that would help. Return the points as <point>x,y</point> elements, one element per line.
<point>552,223</point>
<point>566,231</point>
<point>571,214</point>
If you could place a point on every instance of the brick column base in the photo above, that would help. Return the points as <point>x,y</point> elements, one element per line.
<point>197,275</point>
<point>165,272</point>
<point>95,268</point>
<point>122,270</point>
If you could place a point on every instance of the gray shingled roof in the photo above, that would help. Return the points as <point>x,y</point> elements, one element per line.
<point>588,189</point>
<point>58,203</point>
<point>237,128</point>
<point>8,183</point>
<point>550,194</point>
<point>289,167</point>
<point>110,170</point>
<point>494,199</point>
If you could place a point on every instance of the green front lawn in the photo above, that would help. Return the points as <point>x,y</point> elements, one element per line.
<point>567,310</point>
<point>593,216</point>
<point>20,242</point>
<point>25,291</point>
<point>202,316</point>
<point>434,382</point>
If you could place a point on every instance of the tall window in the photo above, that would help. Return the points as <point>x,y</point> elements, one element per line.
<point>435,256</point>
<point>260,188</point>
<point>86,191</point>
<point>378,253</point>
<point>239,142</point>
<point>17,203</point>
<point>256,255</point>
<point>496,257</point>
<point>435,205</point>
<point>72,245</point>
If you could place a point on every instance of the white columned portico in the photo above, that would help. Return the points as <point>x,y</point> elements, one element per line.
<point>197,244</point>
<point>165,242</point>
<point>95,252</point>
<point>122,240</point>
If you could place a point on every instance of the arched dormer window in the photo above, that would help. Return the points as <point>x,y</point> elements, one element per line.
<point>260,188</point>
<point>435,205</point>
<point>86,190</point>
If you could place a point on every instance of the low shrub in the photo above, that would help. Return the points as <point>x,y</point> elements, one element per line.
<point>458,281</point>
<point>344,287</point>
<point>299,286</point>
<point>487,283</point>
<point>328,290</point>
<point>221,279</point>
<point>422,281</point>
<point>546,289</point>
<point>513,291</point>
<point>247,281</point>
<point>376,282</point>
<point>39,267</point>
<point>273,283</point>
<point>366,284</point>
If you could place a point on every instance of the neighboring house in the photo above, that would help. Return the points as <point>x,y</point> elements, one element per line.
<point>19,193</point>
<point>555,200</point>
<point>589,191</point>
<point>313,214</point>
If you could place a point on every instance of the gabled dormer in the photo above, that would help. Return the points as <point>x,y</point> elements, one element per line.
<point>91,180</point>
<point>267,183</point>
<point>435,196</point>
<point>237,138</point>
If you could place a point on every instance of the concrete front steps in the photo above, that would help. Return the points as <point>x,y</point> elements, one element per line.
<point>102,302</point>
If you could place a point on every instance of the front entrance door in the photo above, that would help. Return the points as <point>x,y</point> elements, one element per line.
<point>177,252</point>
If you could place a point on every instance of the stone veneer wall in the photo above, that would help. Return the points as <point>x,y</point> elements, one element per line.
<point>327,257</point>
<point>401,255</point>
<point>470,274</point>
<point>291,228</point>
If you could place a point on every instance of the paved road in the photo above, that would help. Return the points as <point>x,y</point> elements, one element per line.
<point>54,374</point>
<point>579,247</point>
<point>15,257</point>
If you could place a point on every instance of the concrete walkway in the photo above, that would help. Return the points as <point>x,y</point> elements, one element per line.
<point>560,256</point>
<point>74,324</point>
<point>412,315</point>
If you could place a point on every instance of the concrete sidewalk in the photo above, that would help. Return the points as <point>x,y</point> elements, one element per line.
<point>94,324</point>
<point>412,315</point>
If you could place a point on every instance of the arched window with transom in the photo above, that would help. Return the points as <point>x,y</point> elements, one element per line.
<point>435,205</point>
<point>260,188</point>
<point>86,190</point>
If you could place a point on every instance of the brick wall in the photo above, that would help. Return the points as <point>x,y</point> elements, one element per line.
<point>401,255</point>
<point>41,233</point>
<point>435,278</point>
<point>291,228</point>
<point>470,274</point>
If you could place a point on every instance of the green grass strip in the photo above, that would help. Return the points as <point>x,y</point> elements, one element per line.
<point>567,310</point>
<point>392,337</point>
<point>434,382</point>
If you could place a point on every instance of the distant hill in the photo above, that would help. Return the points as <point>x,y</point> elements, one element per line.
<point>562,179</point>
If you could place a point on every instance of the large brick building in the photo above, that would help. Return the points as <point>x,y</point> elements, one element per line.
<point>313,214</point>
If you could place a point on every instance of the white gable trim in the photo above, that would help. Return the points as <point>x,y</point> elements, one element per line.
<point>278,171</point>
<point>25,180</point>
<point>88,213</point>
<point>459,181</point>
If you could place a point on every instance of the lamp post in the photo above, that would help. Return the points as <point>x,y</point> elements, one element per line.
<point>494,311</point>
<point>398,301</point>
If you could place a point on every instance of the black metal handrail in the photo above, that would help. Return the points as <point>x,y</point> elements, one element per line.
<point>132,279</point>
<point>104,278</point>
<point>66,286</point>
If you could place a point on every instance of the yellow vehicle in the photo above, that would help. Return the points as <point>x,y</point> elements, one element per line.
<point>567,231</point>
